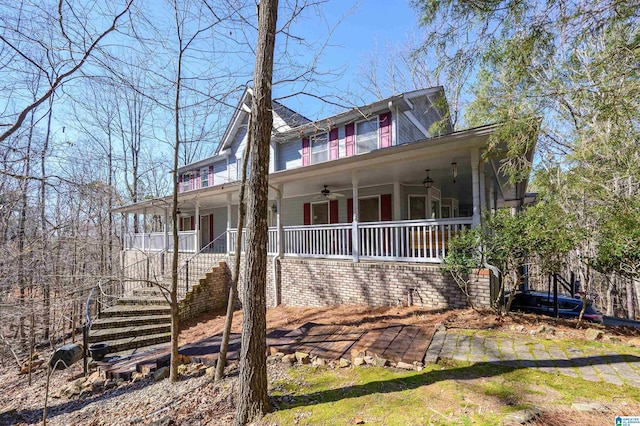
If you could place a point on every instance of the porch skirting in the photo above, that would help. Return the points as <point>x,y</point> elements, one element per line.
<point>319,282</point>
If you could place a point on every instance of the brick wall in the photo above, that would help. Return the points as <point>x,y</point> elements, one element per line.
<point>312,282</point>
<point>211,292</point>
<point>318,282</point>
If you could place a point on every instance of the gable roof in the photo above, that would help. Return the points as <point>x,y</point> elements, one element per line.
<point>284,119</point>
<point>402,100</point>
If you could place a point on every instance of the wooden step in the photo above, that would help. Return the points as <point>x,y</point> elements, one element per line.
<point>108,334</point>
<point>141,310</point>
<point>116,322</point>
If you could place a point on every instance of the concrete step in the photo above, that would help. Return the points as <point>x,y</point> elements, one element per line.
<point>109,334</point>
<point>135,311</point>
<point>131,343</point>
<point>148,292</point>
<point>117,322</point>
<point>142,300</point>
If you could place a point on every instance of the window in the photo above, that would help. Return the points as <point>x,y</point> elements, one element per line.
<point>204,177</point>
<point>319,148</point>
<point>369,209</point>
<point>320,213</point>
<point>417,207</point>
<point>367,135</point>
<point>186,182</point>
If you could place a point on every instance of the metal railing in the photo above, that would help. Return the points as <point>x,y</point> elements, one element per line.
<point>196,266</point>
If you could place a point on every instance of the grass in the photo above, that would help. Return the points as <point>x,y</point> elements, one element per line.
<point>442,394</point>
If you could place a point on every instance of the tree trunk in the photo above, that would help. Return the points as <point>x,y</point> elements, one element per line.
<point>253,400</point>
<point>233,290</point>
<point>631,300</point>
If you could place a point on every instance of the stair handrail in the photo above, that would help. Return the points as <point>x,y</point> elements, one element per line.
<point>185,266</point>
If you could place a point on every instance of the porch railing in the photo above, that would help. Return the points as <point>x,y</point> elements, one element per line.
<point>414,241</point>
<point>155,241</point>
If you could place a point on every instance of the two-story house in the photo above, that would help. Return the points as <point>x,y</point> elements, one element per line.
<point>363,202</point>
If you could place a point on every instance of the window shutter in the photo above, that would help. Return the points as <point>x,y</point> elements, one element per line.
<point>349,210</point>
<point>333,144</point>
<point>385,207</point>
<point>307,213</point>
<point>333,211</point>
<point>305,152</point>
<point>385,130</point>
<point>349,131</point>
<point>193,223</point>
<point>211,235</point>
<point>180,179</point>
<point>210,175</point>
<point>197,184</point>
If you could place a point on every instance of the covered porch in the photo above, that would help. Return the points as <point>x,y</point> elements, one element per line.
<point>410,200</point>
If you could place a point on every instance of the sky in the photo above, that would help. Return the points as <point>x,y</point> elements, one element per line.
<point>363,28</point>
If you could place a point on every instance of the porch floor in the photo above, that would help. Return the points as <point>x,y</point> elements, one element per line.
<point>395,342</point>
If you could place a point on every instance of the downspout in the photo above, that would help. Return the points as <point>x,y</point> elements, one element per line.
<point>276,259</point>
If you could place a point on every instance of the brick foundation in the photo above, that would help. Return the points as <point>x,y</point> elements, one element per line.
<point>323,283</point>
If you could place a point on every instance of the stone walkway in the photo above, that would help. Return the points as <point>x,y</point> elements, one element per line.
<point>590,364</point>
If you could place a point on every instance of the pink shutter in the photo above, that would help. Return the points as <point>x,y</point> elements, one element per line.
<point>198,183</point>
<point>385,130</point>
<point>333,144</point>
<point>180,188</point>
<point>306,157</point>
<point>333,211</point>
<point>210,175</point>
<point>307,213</point>
<point>385,207</point>
<point>349,134</point>
<point>349,210</point>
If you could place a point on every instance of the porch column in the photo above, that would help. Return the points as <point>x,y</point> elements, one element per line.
<point>483,189</point>
<point>355,237</point>
<point>475,185</point>
<point>396,201</point>
<point>279,222</point>
<point>228,223</point>
<point>196,243</point>
<point>127,233</point>
<point>166,228</point>
<point>144,230</point>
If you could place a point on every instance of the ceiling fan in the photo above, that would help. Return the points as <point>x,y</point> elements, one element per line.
<point>328,195</point>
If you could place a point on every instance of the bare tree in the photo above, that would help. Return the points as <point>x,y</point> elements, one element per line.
<point>253,400</point>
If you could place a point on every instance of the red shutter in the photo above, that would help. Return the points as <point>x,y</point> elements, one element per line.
<point>193,223</point>
<point>307,213</point>
<point>349,135</point>
<point>305,152</point>
<point>349,210</point>
<point>211,235</point>
<point>385,130</point>
<point>333,211</point>
<point>385,207</point>
<point>333,144</point>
